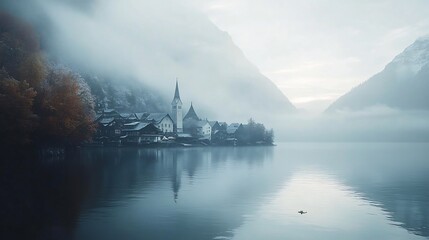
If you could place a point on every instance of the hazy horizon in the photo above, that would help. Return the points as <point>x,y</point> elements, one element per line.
<point>316,51</point>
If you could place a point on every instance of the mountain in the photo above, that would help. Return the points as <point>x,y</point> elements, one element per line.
<point>403,84</point>
<point>152,43</point>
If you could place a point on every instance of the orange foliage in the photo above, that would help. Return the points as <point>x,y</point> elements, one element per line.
<point>62,113</point>
<point>58,115</point>
<point>32,69</point>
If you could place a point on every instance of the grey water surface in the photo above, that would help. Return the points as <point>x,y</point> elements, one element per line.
<point>349,191</point>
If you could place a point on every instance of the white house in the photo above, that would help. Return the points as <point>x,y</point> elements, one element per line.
<point>204,130</point>
<point>163,121</point>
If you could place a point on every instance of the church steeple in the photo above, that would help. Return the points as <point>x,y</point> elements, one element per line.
<point>176,98</point>
<point>176,93</point>
<point>176,110</point>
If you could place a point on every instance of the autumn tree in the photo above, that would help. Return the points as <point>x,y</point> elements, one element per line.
<point>38,101</point>
<point>21,70</point>
<point>64,117</point>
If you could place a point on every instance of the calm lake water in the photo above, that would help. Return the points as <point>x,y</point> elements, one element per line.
<point>350,191</point>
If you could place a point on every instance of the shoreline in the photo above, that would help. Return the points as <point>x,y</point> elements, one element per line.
<point>172,145</point>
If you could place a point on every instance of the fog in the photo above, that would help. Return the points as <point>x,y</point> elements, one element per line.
<point>377,123</point>
<point>155,42</point>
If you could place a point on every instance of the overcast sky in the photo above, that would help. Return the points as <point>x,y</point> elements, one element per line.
<point>317,50</point>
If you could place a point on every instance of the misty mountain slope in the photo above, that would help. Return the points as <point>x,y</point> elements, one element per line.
<point>125,97</point>
<point>403,84</point>
<point>155,42</point>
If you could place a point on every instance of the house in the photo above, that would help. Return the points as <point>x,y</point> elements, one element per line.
<point>128,117</point>
<point>203,130</point>
<point>193,125</point>
<point>138,133</point>
<point>144,128</point>
<point>163,121</point>
<point>218,132</point>
<point>108,129</point>
<point>233,128</point>
<point>111,113</point>
<point>197,128</point>
<point>214,125</point>
<point>141,116</point>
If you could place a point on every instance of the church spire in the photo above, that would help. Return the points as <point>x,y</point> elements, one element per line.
<point>176,93</point>
<point>176,113</point>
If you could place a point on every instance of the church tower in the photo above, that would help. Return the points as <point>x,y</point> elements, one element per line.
<point>176,111</point>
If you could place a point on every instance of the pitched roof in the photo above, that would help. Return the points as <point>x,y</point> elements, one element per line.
<point>192,123</point>
<point>109,110</point>
<point>191,114</point>
<point>105,120</point>
<point>135,126</point>
<point>97,116</point>
<point>140,116</point>
<point>156,117</point>
<point>212,123</point>
<point>133,116</point>
<point>125,115</point>
<point>202,123</point>
<point>232,128</point>
<point>132,124</point>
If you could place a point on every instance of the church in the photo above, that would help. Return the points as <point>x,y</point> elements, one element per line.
<point>191,123</point>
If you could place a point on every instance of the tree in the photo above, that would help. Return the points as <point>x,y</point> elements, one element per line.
<point>22,69</point>
<point>269,136</point>
<point>64,116</point>
<point>37,100</point>
<point>17,118</point>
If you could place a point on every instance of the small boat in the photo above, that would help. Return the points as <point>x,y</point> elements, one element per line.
<point>302,212</point>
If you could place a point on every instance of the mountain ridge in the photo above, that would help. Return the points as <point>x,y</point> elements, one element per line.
<point>402,84</point>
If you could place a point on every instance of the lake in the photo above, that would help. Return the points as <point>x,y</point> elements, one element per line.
<point>349,191</point>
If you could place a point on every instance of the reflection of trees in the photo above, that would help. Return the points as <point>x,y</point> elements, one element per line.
<point>44,200</point>
<point>40,201</point>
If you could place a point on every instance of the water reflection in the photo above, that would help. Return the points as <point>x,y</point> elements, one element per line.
<point>351,191</point>
<point>334,212</point>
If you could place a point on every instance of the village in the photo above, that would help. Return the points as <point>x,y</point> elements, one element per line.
<point>165,129</point>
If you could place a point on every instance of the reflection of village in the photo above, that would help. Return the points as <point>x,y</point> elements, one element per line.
<point>175,166</point>
<point>164,129</point>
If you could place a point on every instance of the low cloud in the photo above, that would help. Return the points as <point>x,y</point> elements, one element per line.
<point>155,42</point>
